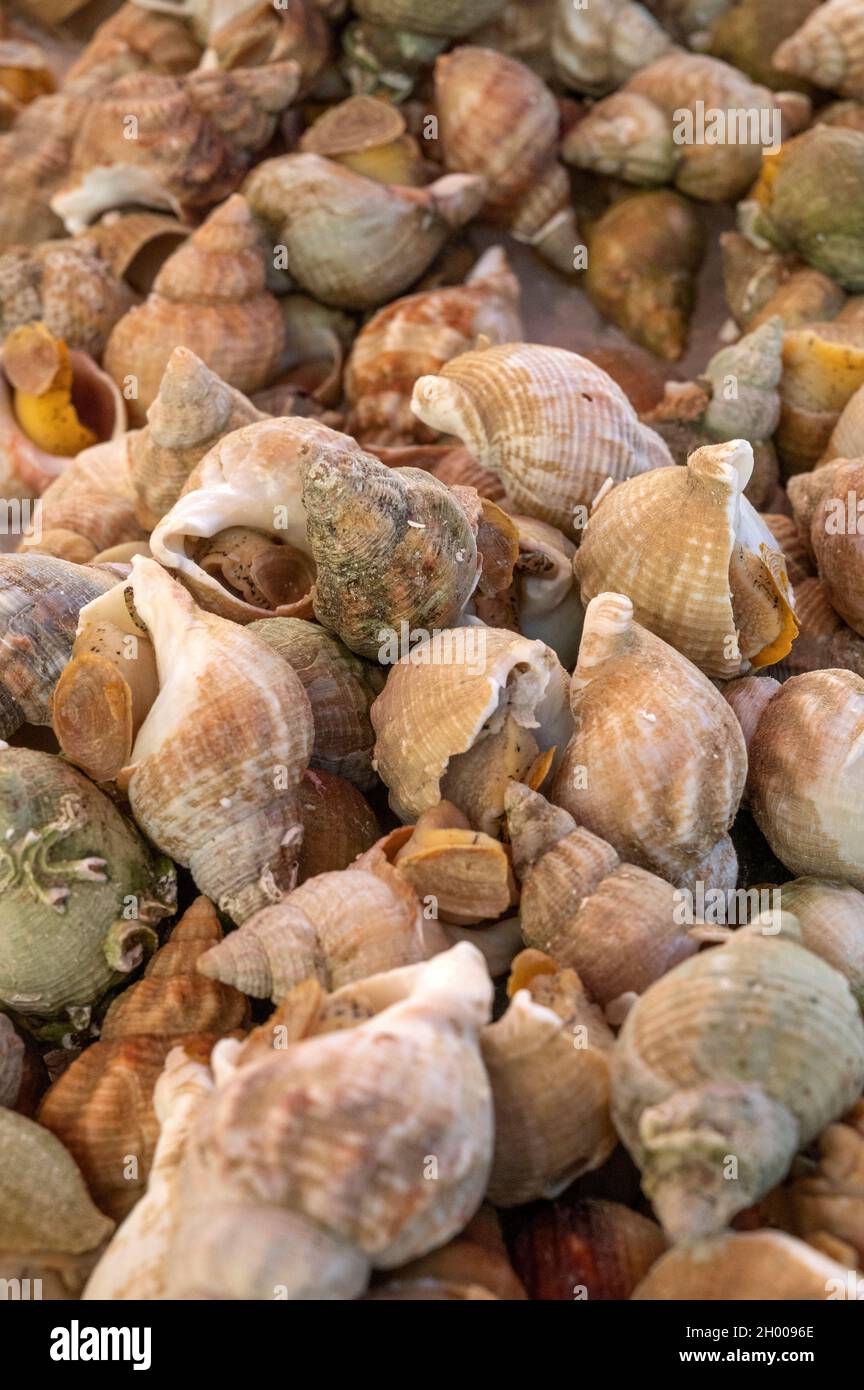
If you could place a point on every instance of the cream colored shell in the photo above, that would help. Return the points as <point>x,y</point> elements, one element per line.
<point>314,1164</point>
<point>552,425</point>
<point>806,782</point>
<point>656,765</point>
<point>702,569</point>
<point>457,689</point>
<point>727,1066</point>
<point>216,764</point>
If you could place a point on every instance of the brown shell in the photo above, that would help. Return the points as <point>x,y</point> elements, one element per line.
<point>589,1249</point>
<point>102,1105</point>
<point>209,297</point>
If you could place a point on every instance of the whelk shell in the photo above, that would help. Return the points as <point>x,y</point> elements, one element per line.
<point>216,764</point>
<point>458,730</point>
<point>725,602</point>
<point>394,549</point>
<point>615,924</point>
<point>209,297</point>
<point>415,336</point>
<point>400,1086</point>
<point>552,425</point>
<point>686,1100</point>
<point>548,1064</point>
<point>306,202</point>
<point>51,1229</point>
<point>341,688</point>
<point>194,139</point>
<point>656,767</point>
<point>237,534</point>
<point>101,1107</point>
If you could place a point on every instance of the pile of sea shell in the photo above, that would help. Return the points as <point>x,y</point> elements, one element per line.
<point>432,763</point>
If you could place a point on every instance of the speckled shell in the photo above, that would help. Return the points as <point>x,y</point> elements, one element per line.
<point>359,1111</point>
<point>758,1266</point>
<point>210,297</point>
<point>548,1064</point>
<point>809,200</point>
<point>552,425</point>
<point>192,141</point>
<point>101,1107</point>
<point>51,1229</point>
<point>431,710</point>
<point>631,133</point>
<point>828,49</point>
<point>806,779</point>
<point>656,766</point>
<point>25,469</point>
<point>40,599</point>
<point>216,764</point>
<point>394,548</point>
<point>341,688</point>
<point>616,925</point>
<point>81,891</point>
<point>336,928</point>
<point>251,478</point>
<point>749,1050</point>
<point>306,202</point>
<point>417,335</point>
<point>722,619</point>
<point>68,287</point>
<point>595,48</point>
